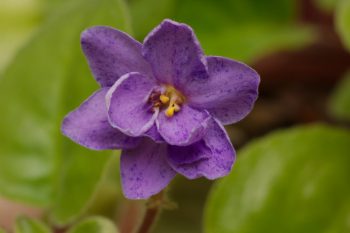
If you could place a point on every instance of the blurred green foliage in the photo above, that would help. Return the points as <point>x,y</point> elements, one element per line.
<point>89,225</point>
<point>343,21</point>
<point>94,225</point>
<point>49,78</point>
<point>242,30</point>
<point>327,5</point>
<point>190,197</point>
<point>340,100</point>
<point>296,180</point>
<point>26,225</point>
<point>18,19</point>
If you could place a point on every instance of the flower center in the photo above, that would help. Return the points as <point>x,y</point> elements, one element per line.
<point>168,98</point>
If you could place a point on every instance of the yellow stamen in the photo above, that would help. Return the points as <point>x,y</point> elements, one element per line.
<point>170,111</point>
<point>169,99</point>
<point>164,99</point>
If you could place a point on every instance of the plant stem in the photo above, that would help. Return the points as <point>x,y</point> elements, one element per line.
<point>129,215</point>
<point>154,207</point>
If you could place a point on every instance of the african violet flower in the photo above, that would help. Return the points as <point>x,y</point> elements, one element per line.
<point>164,103</point>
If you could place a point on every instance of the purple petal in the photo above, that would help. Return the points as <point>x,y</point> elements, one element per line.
<point>88,126</point>
<point>230,92</point>
<point>154,134</point>
<point>186,155</point>
<point>175,55</point>
<point>128,107</point>
<point>112,53</point>
<point>184,128</point>
<point>211,157</point>
<point>144,170</point>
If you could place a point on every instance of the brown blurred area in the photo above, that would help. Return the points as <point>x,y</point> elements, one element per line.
<point>10,210</point>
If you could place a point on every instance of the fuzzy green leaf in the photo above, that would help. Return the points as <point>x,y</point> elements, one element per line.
<point>327,5</point>
<point>49,78</point>
<point>26,225</point>
<point>244,30</point>
<point>94,225</point>
<point>340,100</point>
<point>343,21</point>
<point>296,180</point>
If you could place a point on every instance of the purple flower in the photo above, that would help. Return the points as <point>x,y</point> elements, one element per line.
<point>164,103</point>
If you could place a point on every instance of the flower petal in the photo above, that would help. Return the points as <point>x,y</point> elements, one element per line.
<point>88,126</point>
<point>186,155</point>
<point>128,107</point>
<point>175,55</point>
<point>230,91</point>
<point>144,170</point>
<point>112,53</point>
<point>211,157</point>
<point>154,134</point>
<point>184,128</point>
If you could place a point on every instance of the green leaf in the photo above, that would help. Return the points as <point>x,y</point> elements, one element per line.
<point>296,180</point>
<point>108,194</point>
<point>340,99</point>
<point>250,41</point>
<point>244,29</point>
<point>2,230</point>
<point>342,21</point>
<point>94,225</point>
<point>26,225</point>
<point>95,194</point>
<point>49,78</point>
<point>327,5</point>
<point>18,19</point>
<point>146,14</point>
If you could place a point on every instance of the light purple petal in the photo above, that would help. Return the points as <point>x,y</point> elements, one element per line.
<point>184,128</point>
<point>111,54</point>
<point>175,55</point>
<point>212,157</point>
<point>88,126</point>
<point>230,92</point>
<point>144,170</point>
<point>128,107</point>
<point>154,134</point>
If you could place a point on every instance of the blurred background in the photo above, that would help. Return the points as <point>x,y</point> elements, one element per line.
<point>293,168</point>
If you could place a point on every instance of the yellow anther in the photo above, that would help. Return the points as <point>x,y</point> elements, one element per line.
<point>164,99</point>
<point>169,99</point>
<point>170,111</point>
